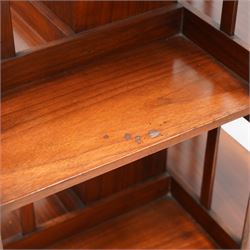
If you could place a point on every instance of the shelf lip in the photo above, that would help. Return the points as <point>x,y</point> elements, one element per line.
<point>42,140</point>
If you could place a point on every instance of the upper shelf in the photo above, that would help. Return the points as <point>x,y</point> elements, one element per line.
<point>110,112</point>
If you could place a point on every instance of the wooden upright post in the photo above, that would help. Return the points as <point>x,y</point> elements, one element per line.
<point>209,167</point>
<point>228,16</point>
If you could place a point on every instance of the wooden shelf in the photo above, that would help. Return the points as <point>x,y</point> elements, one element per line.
<point>149,227</point>
<point>110,112</point>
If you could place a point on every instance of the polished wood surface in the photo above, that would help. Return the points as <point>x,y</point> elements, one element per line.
<point>64,226</point>
<point>232,177</point>
<point>213,9</point>
<point>233,55</point>
<point>104,11</point>
<point>7,39</point>
<point>82,48</point>
<point>122,178</point>
<point>41,20</point>
<point>159,225</point>
<point>64,126</point>
<point>203,217</point>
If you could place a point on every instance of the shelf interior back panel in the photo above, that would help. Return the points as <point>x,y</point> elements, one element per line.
<point>113,111</point>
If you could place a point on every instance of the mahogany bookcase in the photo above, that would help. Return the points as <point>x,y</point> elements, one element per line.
<point>88,116</point>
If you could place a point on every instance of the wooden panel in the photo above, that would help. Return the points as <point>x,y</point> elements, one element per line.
<point>68,126</point>
<point>84,47</point>
<point>104,11</point>
<point>159,225</point>
<point>28,220</point>
<point>203,217</point>
<point>63,9</point>
<point>7,40</point>
<point>210,163</point>
<point>122,178</point>
<point>109,11</point>
<point>219,45</point>
<point>73,222</point>
<point>228,16</point>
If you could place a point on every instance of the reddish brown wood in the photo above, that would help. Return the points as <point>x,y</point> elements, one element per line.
<point>28,220</point>
<point>218,44</point>
<point>122,178</point>
<point>162,224</point>
<point>150,96</point>
<point>82,48</point>
<point>228,16</point>
<point>105,209</point>
<point>7,39</point>
<point>41,19</point>
<point>203,217</point>
<point>209,167</point>
<point>105,11</point>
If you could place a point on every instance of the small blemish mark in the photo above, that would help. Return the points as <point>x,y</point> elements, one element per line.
<point>138,139</point>
<point>127,136</point>
<point>154,133</point>
<point>105,136</point>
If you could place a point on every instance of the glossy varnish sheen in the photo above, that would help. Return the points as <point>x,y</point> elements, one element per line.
<point>58,136</point>
<point>160,225</point>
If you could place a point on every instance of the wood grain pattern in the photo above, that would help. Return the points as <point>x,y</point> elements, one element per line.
<point>204,33</point>
<point>7,39</point>
<point>25,37</point>
<point>41,19</point>
<point>209,168</point>
<point>228,16</point>
<point>64,126</point>
<point>122,178</point>
<point>90,216</point>
<point>203,217</point>
<point>159,225</point>
<point>104,11</point>
<point>82,48</point>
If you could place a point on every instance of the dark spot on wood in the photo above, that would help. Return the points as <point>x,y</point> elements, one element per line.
<point>138,139</point>
<point>105,136</point>
<point>127,136</point>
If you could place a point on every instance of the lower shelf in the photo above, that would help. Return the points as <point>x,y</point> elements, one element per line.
<point>162,224</point>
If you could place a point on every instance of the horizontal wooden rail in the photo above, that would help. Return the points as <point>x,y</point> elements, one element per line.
<point>81,48</point>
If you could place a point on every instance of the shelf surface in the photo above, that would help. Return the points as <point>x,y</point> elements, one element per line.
<point>160,225</point>
<point>110,112</point>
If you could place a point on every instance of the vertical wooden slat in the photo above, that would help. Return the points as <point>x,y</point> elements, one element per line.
<point>7,39</point>
<point>245,243</point>
<point>209,167</point>
<point>27,217</point>
<point>228,16</point>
